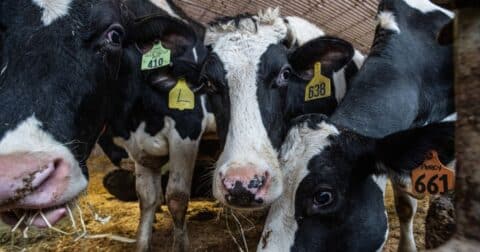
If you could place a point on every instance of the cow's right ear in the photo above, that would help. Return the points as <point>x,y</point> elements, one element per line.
<point>333,53</point>
<point>404,151</point>
<point>173,33</point>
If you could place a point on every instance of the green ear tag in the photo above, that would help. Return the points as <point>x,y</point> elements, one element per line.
<point>319,86</point>
<point>181,97</point>
<point>157,57</point>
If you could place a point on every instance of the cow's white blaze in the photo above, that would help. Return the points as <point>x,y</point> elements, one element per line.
<point>52,9</point>
<point>29,137</point>
<point>386,20</point>
<point>302,31</point>
<point>426,6</point>
<point>247,141</point>
<point>301,144</point>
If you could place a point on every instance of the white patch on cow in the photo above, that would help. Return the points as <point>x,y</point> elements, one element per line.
<point>209,118</point>
<point>386,20</point>
<point>4,68</point>
<point>301,144</point>
<point>240,50</point>
<point>450,118</point>
<point>28,137</point>
<point>358,59</point>
<point>141,143</point>
<point>340,84</point>
<point>195,55</point>
<point>339,79</point>
<point>301,31</point>
<point>426,6</point>
<point>163,4</point>
<point>53,9</point>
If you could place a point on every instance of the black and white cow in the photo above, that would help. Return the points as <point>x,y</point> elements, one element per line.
<point>256,74</point>
<point>66,73</point>
<point>335,181</point>
<point>335,169</point>
<point>150,131</point>
<point>59,64</point>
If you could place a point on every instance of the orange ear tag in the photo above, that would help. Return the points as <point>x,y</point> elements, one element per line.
<point>432,177</point>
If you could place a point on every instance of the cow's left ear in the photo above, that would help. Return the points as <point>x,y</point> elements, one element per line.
<point>333,53</point>
<point>406,150</point>
<point>173,33</point>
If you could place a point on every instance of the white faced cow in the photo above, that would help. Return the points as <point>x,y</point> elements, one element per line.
<point>335,168</point>
<point>256,74</point>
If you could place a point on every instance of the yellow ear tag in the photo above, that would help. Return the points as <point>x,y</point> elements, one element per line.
<point>181,97</point>
<point>432,177</point>
<point>157,57</point>
<point>319,86</point>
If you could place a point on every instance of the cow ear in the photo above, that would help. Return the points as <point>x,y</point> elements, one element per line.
<point>404,151</point>
<point>333,53</point>
<point>173,33</point>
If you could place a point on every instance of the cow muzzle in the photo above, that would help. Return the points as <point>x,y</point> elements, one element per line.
<point>38,181</point>
<point>247,186</point>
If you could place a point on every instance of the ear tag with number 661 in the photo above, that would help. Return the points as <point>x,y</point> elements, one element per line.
<point>181,97</point>
<point>157,57</point>
<point>319,86</point>
<point>432,177</point>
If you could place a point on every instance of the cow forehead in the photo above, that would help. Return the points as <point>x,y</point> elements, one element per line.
<point>301,145</point>
<point>52,9</point>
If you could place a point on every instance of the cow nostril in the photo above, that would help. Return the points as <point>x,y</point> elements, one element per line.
<point>257,182</point>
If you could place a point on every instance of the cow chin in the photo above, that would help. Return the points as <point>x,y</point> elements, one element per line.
<point>38,175</point>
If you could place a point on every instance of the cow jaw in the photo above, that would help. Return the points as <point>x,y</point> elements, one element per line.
<point>37,172</point>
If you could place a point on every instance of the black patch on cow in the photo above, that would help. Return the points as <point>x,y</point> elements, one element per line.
<point>407,79</point>
<point>355,220</point>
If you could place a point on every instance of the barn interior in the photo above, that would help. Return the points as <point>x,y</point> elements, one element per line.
<point>111,223</point>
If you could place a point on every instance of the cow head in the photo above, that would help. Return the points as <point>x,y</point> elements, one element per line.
<point>254,62</point>
<point>61,59</point>
<point>334,182</point>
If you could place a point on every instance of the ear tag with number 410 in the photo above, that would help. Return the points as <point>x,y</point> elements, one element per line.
<point>157,57</point>
<point>432,177</point>
<point>181,97</point>
<point>319,86</point>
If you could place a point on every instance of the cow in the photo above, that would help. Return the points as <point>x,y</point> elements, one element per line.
<point>150,130</point>
<point>256,75</point>
<point>69,69</point>
<point>334,184</point>
<point>59,64</point>
<point>337,166</point>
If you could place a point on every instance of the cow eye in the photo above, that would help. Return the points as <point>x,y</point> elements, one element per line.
<point>323,198</point>
<point>115,35</point>
<point>283,77</point>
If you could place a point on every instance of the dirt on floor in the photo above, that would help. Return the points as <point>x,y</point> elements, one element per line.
<point>210,226</point>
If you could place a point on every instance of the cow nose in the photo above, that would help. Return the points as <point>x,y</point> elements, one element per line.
<point>244,187</point>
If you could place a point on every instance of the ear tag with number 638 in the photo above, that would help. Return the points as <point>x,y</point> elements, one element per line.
<point>181,97</point>
<point>319,86</point>
<point>157,57</point>
<point>432,177</point>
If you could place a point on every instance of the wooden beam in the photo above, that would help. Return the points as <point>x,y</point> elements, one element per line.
<point>467,99</point>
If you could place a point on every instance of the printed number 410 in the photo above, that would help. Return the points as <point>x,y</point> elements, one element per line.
<point>155,63</point>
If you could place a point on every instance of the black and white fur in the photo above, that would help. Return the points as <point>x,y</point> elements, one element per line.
<point>256,75</point>
<point>393,91</point>
<point>152,133</point>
